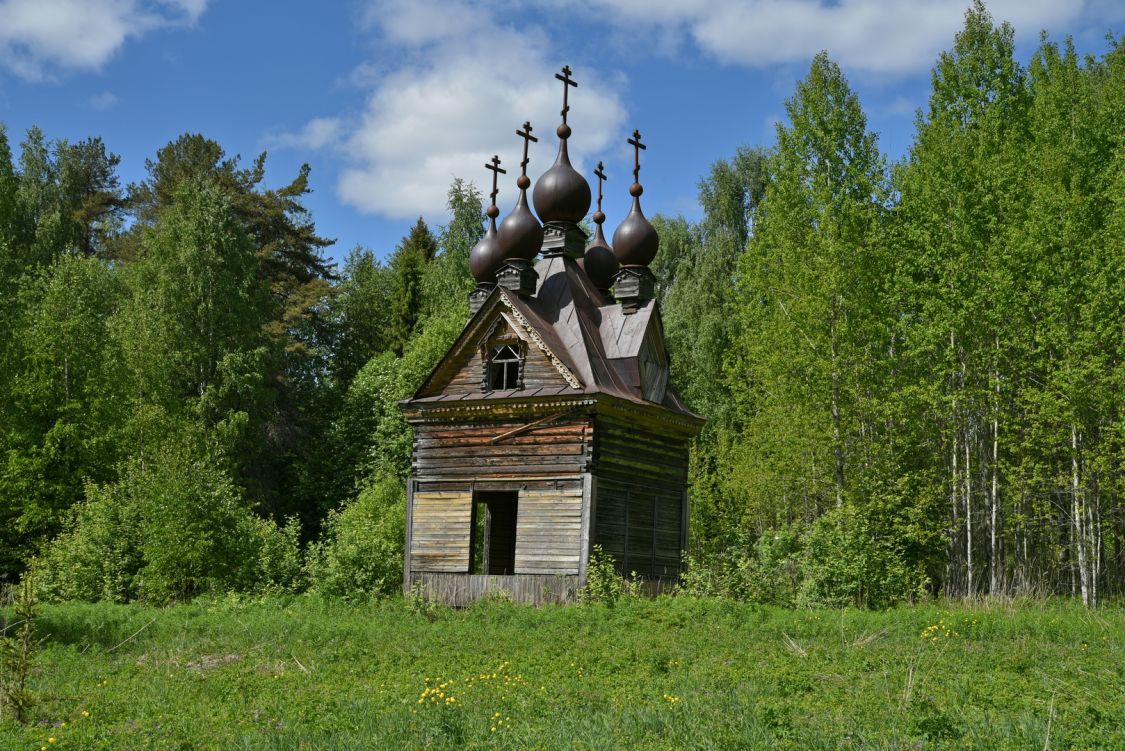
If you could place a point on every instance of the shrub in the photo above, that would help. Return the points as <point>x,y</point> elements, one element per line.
<point>173,527</point>
<point>603,583</point>
<point>18,648</point>
<point>765,570</point>
<point>846,562</point>
<point>360,553</point>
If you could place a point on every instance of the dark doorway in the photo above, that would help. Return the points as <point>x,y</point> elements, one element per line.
<point>494,532</point>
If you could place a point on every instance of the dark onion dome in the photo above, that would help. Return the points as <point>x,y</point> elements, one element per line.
<point>483,256</point>
<point>561,193</point>
<point>635,241</point>
<point>520,234</point>
<point>599,263</point>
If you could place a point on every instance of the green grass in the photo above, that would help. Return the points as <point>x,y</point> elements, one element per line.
<point>666,674</point>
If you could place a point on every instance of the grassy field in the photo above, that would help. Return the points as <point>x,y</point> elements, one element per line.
<point>672,673</point>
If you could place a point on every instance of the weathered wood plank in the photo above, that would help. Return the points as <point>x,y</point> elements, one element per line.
<point>459,590</point>
<point>441,526</point>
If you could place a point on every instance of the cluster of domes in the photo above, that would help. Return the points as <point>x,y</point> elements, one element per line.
<point>562,196</point>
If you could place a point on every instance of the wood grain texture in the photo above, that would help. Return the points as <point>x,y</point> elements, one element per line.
<point>459,590</point>
<point>549,531</point>
<point>440,527</point>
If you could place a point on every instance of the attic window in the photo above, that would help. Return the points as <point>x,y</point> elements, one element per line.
<point>504,368</point>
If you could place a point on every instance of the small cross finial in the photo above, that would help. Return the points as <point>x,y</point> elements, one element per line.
<point>525,134</point>
<point>600,172</point>
<point>494,165</point>
<point>567,83</point>
<point>635,142</point>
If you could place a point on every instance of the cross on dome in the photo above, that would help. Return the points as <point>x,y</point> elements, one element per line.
<point>567,83</point>
<point>635,142</point>
<point>494,165</point>
<point>525,134</point>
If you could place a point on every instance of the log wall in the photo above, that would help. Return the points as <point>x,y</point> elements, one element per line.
<point>640,500</point>
<point>470,451</point>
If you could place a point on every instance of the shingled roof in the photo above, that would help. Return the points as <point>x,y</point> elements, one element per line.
<point>595,340</point>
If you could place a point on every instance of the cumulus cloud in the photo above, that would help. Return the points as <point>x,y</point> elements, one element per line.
<point>459,85</point>
<point>39,37</point>
<point>872,36</point>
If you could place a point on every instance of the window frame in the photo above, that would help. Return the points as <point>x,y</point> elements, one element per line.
<point>498,372</point>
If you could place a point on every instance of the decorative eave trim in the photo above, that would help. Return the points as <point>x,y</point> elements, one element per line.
<point>532,334</point>
<point>690,424</point>
<point>417,413</point>
<point>441,412</point>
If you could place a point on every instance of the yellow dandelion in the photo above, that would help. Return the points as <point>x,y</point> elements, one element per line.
<point>51,739</point>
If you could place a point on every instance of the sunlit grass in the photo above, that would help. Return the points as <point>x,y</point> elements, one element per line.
<point>664,674</point>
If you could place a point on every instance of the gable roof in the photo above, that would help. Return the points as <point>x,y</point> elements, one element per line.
<point>594,344</point>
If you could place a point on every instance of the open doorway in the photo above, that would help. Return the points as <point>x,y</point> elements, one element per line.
<point>494,532</point>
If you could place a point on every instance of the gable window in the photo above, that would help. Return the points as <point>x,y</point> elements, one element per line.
<point>504,366</point>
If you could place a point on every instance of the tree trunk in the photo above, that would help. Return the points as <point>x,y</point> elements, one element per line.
<point>994,501</point>
<point>1078,512</point>
<point>968,522</point>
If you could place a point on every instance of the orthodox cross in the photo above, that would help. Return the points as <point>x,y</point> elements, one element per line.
<point>496,172</point>
<point>635,142</point>
<point>567,83</point>
<point>525,134</point>
<point>600,172</point>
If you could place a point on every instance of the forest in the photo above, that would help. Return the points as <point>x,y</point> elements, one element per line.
<point>913,372</point>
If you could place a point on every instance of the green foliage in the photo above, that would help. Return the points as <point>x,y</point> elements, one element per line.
<point>768,570</point>
<point>846,563</point>
<point>408,266</point>
<point>172,528</point>
<point>18,647</point>
<point>61,416</point>
<point>361,314</point>
<point>418,603</point>
<point>603,583</point>
<point>447,281</point>
<point>359,555</point>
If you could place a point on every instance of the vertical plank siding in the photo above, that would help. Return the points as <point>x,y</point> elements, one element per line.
<point>459,590</point>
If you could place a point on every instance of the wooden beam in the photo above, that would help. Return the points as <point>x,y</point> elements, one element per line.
<point>532,425</point>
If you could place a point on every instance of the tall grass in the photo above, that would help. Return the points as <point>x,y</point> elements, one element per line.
<point>307,673</point>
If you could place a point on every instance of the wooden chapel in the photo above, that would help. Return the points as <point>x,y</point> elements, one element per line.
<point>550,426</point>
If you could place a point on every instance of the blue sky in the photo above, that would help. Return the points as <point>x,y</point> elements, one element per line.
<point>388,100</point>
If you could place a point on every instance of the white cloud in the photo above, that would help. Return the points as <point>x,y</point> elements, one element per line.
<point>875,36</point>
<point>318,133</point>
<point>38,37</point>
<point>103,101</point>
<point>461,87</point>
